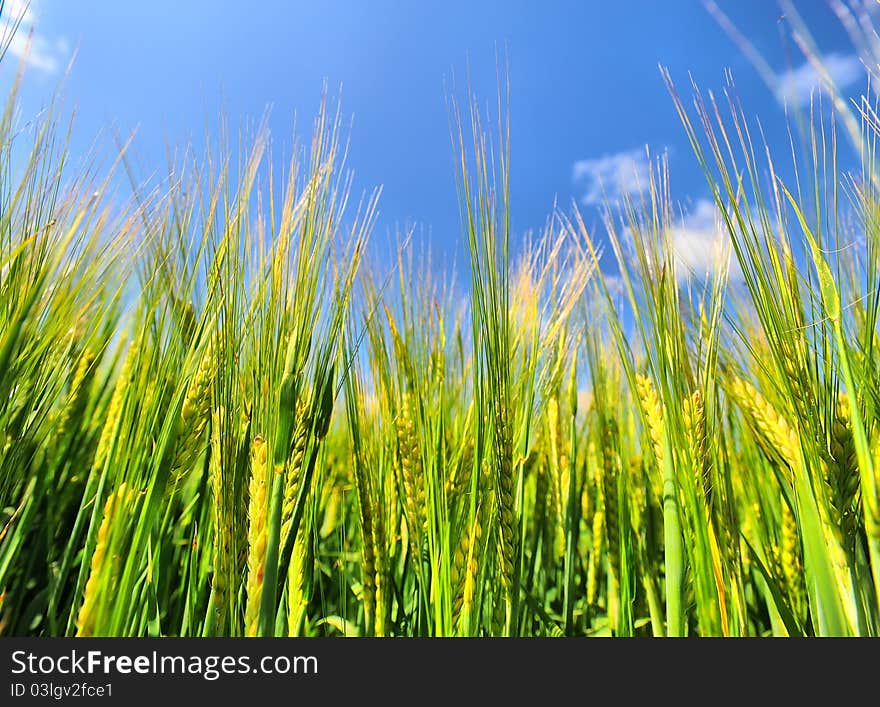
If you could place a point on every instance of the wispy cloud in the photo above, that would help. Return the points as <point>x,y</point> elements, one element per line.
<point>43,53</point>
<point>614,283</point>
<point>611,176</point>
<point>797,85</point>
<point>701,245</point>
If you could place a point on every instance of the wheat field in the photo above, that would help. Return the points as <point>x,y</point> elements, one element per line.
<point>221,414</point>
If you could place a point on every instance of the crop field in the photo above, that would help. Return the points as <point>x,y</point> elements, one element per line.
<point>221,414</point>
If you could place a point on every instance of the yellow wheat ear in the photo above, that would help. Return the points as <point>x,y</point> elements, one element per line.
<point>195,414</point>
<point>410,460</point>
<point>772,427</point>
<point>114,410</point>
<point>653,413</point>
<point>257,534</point>
<point>105,563</point>
<point>294,468</point>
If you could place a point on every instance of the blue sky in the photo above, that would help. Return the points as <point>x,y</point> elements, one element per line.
<point>587,96</point>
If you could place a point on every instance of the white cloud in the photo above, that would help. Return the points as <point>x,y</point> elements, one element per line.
<point>43,53</point>
<point>701,245</point>
<point>612,176</point>
<point>797,85</point>
<point>615,285</point>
